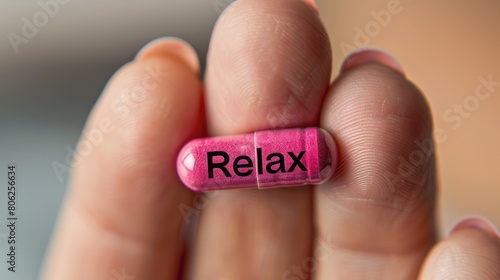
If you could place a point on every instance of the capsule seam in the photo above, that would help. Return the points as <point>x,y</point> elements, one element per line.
<point>255,157</point>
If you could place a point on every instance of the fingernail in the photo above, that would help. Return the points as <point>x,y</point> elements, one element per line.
<point>170,47</point>
<point>313,5</point>
<point>477,222</point>
<point>371,55</point>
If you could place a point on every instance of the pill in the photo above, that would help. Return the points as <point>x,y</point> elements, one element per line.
<point>263,159</point>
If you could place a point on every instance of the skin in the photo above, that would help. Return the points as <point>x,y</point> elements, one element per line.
<point>269,66</point>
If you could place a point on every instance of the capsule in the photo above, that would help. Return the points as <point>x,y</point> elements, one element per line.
<point>263,159</point>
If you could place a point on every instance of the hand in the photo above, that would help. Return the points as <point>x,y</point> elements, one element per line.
<point>269,66</point>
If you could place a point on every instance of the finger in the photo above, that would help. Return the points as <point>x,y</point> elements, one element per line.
<point>268,67</point>
<point>471,252</point>
<point>376,215</point>
<point>121,218</point>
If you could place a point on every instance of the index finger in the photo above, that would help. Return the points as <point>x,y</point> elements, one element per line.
<point>121,215</point>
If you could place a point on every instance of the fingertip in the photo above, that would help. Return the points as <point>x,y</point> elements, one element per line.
<point>273,55</point>
<point>478,223</point>
<point>472,251</point>
<point>313,5</point>
<point>371,55</point>
<point>170,47</point>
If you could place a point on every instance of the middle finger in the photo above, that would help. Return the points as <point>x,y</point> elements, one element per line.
<point>269,66</point>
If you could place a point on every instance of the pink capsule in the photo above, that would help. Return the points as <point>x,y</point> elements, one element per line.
<point>263,159</point>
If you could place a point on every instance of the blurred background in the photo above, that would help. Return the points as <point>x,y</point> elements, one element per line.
<point>56,56</point>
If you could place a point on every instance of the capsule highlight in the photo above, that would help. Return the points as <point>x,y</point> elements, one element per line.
<point>263,159</point>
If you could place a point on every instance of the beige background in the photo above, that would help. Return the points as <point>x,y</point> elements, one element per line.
<point>444,46</point>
